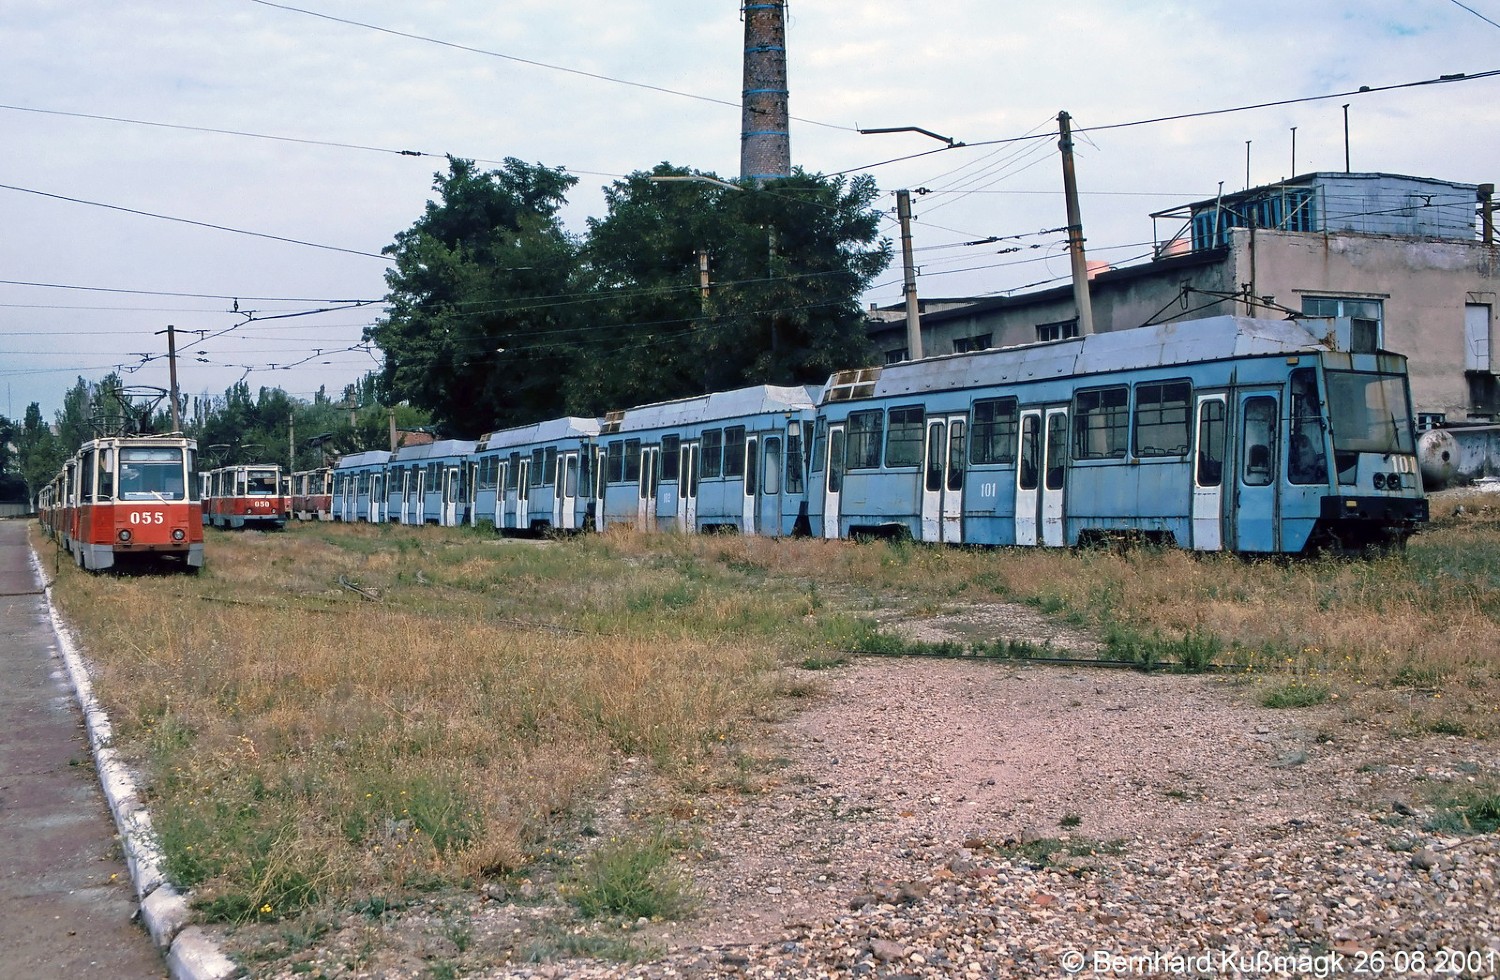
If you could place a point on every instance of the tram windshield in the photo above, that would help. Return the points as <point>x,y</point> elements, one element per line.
<point>151,473</point>
<point>1370,413</point>
<point>261,482</point>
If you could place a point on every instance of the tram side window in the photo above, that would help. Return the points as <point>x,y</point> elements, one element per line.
<point>1101,423</point>
<point>903,438</point>
<point>1161,418</point>
<point>1057,450</point>
<point>549,466</point>
<point>632,461</point>
<point>734,450</point>
<point>713,452</point>
<point>1031,452</point>
<point>90,463</point>
<point>862,442</point>
<point>538,467</point>
<point>1211,444</point>
<point>1306,460</point>
<point>1259,441</point>
<point>671,447</point>
<point>994,436</point>
<point>614,462</point>
<point>513,471</point>
<point>794,457</point>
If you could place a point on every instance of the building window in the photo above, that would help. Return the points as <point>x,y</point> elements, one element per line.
<point>963,345</point>
<point>1366,319</point>
<point>895,356</point>
<point>1061,330</point>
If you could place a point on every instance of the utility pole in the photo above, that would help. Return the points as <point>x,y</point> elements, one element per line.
<point>171,333</point>
<point>909,281</point>
<point>1075,229</point>
<point>1487,213</point>
<point>291,442</point>
<point>1346,137</point>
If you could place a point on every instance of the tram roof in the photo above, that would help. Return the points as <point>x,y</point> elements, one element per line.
<point>755,400</point>
<point>1180,342</point>
<point>434,450</point>
<point>548,431</point>
<point>370,457</point>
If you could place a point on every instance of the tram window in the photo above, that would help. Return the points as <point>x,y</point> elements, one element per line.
<point>1057,450</point>
<point>713,452</point>
<point>771,482</point>
<point>752,469</point>
<point>836,460</point>
<point>1306,461</point>
<point>90,464</point>
<point>1161,418</point>
<point>994,431</point>
<point>819,447</point>
<point>793,457</point>
<point>862,441</point>
<point>1031,452</point>
<point>614,462</point>
<point>903,438</point>
<point>549,466</point>
<point>1101,423</point>
<point>1259,440</point>
<point>513,472</point>
<point>956,455</point>
<point>734,450</point>
<point>632,461</point>
<point>538,467</point>
<point>1211,444</point>
<point>934,480</point>
<point>670,445</point>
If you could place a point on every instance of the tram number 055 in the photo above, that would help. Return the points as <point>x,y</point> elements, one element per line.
<point>147,517</point>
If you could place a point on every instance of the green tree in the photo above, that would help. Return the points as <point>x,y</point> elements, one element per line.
<point>478,316</point>
<point>42,454</point>
<point>787,263</point>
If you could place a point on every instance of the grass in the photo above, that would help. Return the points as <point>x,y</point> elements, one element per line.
<point>460,718</point>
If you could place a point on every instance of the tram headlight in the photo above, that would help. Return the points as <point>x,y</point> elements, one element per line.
<point>1379,481</point>
<point>178,534</point>
<point>124,535</point>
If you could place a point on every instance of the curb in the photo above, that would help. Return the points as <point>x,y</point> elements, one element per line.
<point>189,952</point>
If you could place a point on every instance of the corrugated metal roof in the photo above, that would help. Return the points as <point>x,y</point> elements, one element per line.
<point>548,431</point>
<point>372,457</point>
<point>434,450</point>
<point>1180,342</point>
<point>754,400</point>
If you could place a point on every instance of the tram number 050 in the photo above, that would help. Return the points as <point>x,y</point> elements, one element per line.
<point>147,517</point>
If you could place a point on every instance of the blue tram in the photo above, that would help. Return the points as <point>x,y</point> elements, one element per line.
<point>1216,434</point>
<point>359,481</point>
<point>535,477</point>
<point>425,484</point>
<point>732,460</point>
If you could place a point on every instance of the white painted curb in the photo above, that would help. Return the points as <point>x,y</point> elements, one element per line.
<point>190,954</point>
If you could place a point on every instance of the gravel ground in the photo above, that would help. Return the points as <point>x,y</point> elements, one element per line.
<point>931,818</point>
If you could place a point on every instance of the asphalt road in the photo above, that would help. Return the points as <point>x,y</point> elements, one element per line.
<point>66,901</point>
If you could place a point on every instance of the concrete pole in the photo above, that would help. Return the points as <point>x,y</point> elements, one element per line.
<point>172,372</point>
<point>909,282</point>
<point>1075,229</point>
<point>1487,213</point>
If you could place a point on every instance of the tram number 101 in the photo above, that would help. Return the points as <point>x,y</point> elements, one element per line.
<point>147,517</point>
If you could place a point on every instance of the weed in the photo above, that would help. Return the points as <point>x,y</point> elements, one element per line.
<point>1294,694</point>
<point>630,878</point>
<point>1474,811</point>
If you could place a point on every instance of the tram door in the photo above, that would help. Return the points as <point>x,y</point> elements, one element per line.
<point>1208,474</point>
<point>748,507</point>
<point>471,492</point>
<point>687,487</point>
<point>645,508</point>
<point>406,492</point>
<point>943,480</point>
<point>523,494</point>
<point>1028,477</point>
<point>565,492</point>
<point>1255,517</point>
<point>1054,476</point>
<point>502,470</point>
<point>452,491</point>
<point>768,518</point>
<point>833,486</point>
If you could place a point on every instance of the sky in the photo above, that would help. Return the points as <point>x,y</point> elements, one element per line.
<point>233,168</point>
